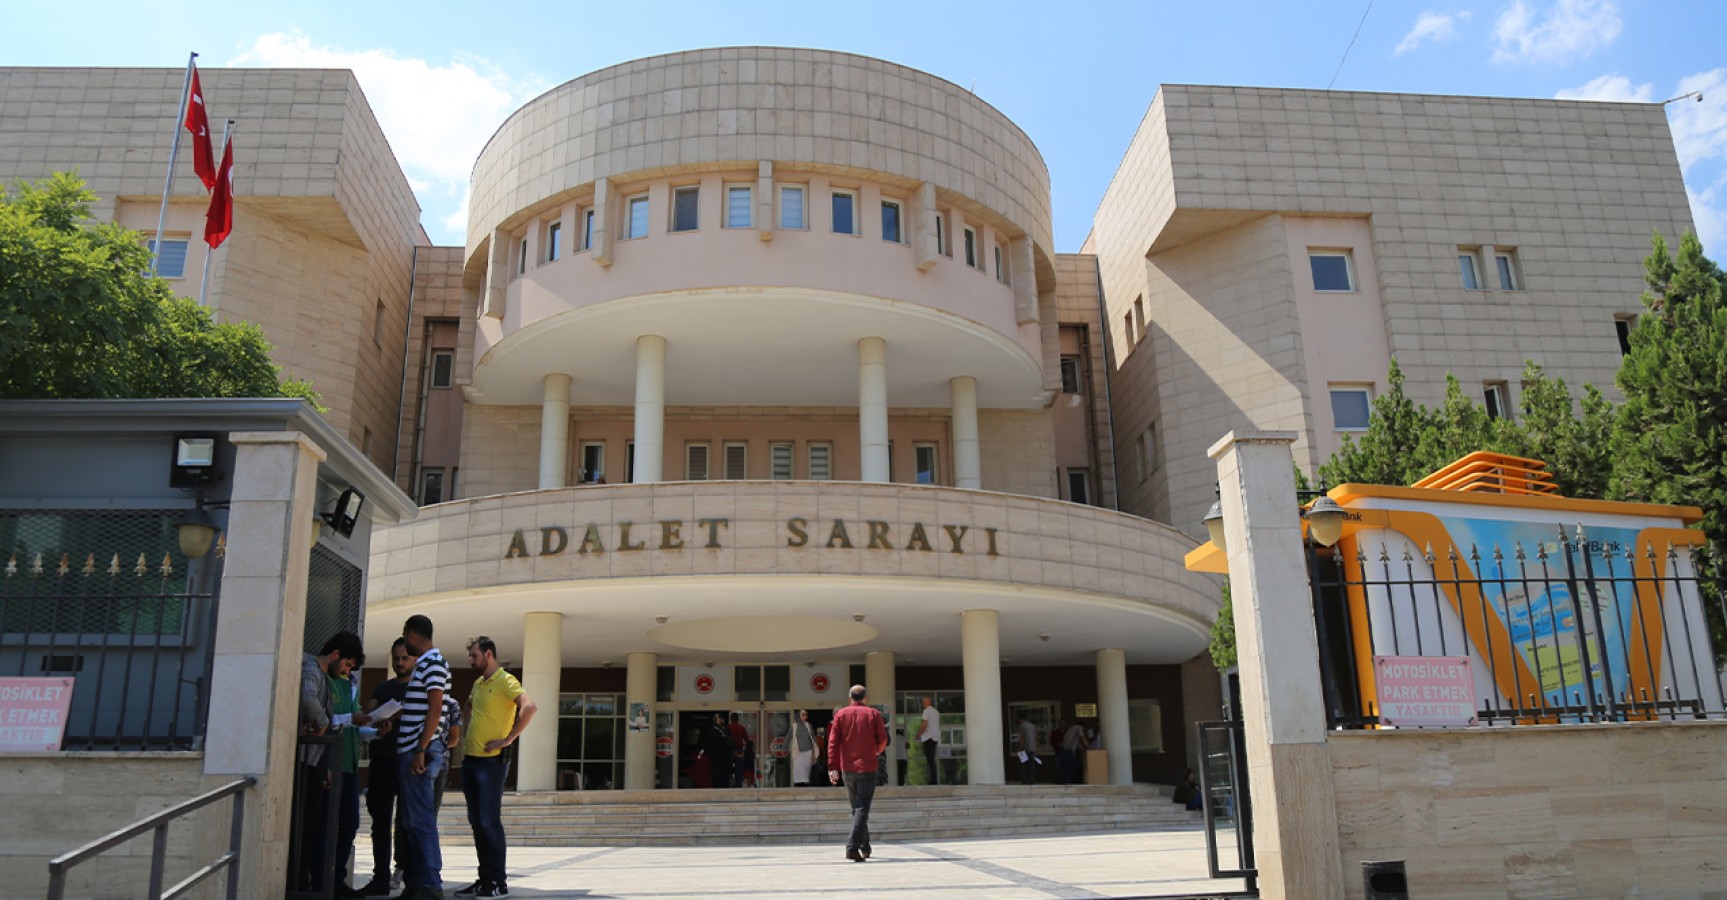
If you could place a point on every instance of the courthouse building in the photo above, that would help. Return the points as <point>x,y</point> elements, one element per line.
<point>759,375</point>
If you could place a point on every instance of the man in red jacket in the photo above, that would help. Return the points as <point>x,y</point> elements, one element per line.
<point>855,739</point>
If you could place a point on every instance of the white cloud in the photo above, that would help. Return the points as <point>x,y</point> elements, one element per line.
<point>1709,214</point>
<point>1431,27</point>
<point>1569,31</point>
<point>436,117</point>
<point>1611,88</point>
<point>1700,129</point>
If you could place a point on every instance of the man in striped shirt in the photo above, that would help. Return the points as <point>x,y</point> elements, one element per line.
<point>422,759</point>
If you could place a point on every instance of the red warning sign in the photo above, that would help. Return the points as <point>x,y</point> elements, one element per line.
<point>663,746</point>
<point>819,682</point>
<point>704,684</point>
<point>778,747</point>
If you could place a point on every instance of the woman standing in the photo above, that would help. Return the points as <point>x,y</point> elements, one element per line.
<point>803,749</point>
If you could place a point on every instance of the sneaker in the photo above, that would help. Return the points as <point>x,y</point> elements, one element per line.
<point>396,880</point>
<point>494,890</point>
<point>473,890</point>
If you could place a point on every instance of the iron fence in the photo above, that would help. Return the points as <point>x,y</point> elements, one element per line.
<point>1570,630</point>
<point>103,597</point>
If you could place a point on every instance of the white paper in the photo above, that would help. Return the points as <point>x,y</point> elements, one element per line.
<point>342,720</point>
<point>386,709</point>
<point>1022,756</point>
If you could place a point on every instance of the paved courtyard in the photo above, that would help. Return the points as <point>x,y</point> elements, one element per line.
<point>1164,863</point>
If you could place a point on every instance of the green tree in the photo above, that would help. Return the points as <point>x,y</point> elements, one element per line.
<point>80,319</point>
<point>1223,633</point>
<point>1669,441</point>
<point>1569,434</point>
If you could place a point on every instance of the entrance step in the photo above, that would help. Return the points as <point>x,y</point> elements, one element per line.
<point>818,815</point>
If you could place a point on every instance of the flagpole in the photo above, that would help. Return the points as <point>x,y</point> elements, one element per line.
<point>227,132</point>
<point>173,154</point>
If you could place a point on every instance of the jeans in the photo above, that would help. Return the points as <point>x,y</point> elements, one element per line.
<point>860,790</point>
<point>483,786</point>
<point>381,797</point>
<point>347,822</point>
<point>422,862</point>
<point>929,748</point>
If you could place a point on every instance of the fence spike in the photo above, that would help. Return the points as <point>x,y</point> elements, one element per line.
<point>222,545</point>
<point>143,566</point>
<point>167,564</point>
<point>36,565</point>
<point>12,566</point>
<point>114,567</point>
<point>65,564</point>
<point>90,564</point>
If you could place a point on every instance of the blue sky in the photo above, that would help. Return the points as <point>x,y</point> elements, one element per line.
<point>1077,76</point>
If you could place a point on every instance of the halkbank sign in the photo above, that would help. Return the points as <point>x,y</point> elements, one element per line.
<point>710,534</point>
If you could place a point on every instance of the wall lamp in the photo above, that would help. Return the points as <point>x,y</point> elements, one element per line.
<point>1213,522</point>
<point>197,528</point>
<point>346,515</point>
<point>1325,521</point>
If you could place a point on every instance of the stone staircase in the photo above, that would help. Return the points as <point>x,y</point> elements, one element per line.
<point>817,815</point>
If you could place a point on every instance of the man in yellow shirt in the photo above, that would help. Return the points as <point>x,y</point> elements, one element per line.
<point>498,710</point>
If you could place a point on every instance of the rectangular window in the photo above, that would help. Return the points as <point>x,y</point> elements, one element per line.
<point>1070,375</point>
<point>737,461</point>
<point>1350,408</point>
<point>587,229</point>
<point>638,217</point>
<point>443,369</point>
<point>629,462</point>
<point>941,242</point>
<point>780,458</point>
<point>685,208</point>
<point>1496,399</point>
<point>1332,272</point>
<point>890,219</point>
<point>821,462</point>
<point>378,323</point>
<point>522,256</point>
<point>971,247</point>
<point>1466,267</point>
<point>431,487</point>
<point>173,261</point>
<point>792,206</point>
<point>924,455</point>
<point>554,238</point>
<point>1001,264</point>
<point>1505,265</point>
<point>1138,319</point>
<point>1079,485</point>
<point>1127,329</point>
<point>1622,327</point>
<point>740,205</point>
<point>696,462</point>
<point>593,463</point>
<point>1145,725</point>
<point>890,462</point>
<point>845,212</point>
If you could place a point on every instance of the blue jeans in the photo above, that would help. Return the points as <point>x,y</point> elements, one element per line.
<point>860,790</point>
<point>483,786</point>
<point>422,862</point>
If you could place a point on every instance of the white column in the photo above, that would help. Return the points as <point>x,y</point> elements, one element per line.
<point>967,465</point>
<point>878,680</point>
<point>985,742</point>
<point>1282,704</point>
<point>258,631</point>
<point>542,671</point>
<point>555,432</point>
<point>872,408</point>
<point>641,683</point>
<point>1112,714</point>
<point>650,409</point>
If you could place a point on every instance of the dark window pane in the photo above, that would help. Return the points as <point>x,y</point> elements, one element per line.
<point>778,682</point>
<point>1350,409</point>
<point>597,738</point>
<point>747,681</point>
<point>845,216</point>
<point>569,738</point>
<point>667,684</point>
<point>684,210</point>
<point>890,222</point>
<point>1330,272</point>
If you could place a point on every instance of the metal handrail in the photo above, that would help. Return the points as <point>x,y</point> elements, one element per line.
<point>60,865</point>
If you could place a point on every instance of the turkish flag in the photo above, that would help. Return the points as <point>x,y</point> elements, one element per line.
<point>198,123</point>
<point>219,221</point>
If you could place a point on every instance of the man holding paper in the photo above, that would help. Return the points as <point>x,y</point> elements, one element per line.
<point>381,785</point>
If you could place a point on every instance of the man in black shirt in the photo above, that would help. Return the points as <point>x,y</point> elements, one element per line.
<point>381,783</point>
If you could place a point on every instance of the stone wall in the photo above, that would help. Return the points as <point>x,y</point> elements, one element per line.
<point>61,801</point>
<point>1552,811</point>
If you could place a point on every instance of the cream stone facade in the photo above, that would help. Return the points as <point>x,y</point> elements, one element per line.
<point>758,373</point>
<point>1204,240</point>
